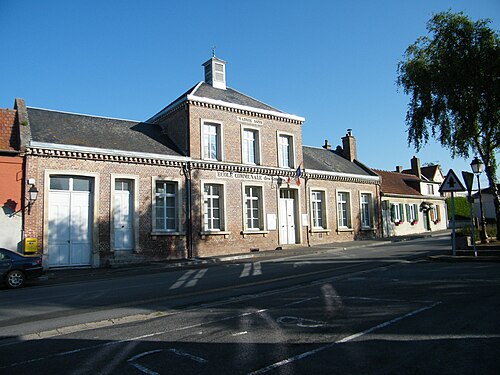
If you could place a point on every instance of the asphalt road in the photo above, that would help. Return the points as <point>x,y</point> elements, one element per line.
<point>372,310</point>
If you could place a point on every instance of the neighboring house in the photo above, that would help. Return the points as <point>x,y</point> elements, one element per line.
<point>410,199</point>
<point>11,181</point>
<point>488,205</point>
<point>343,194</point>
<point>215,172</point>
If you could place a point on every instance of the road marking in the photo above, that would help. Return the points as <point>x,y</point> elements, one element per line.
<point>299,322</point>
<point>187,355</point>
<point>160,314</point>
<point>195,278</point>
<point>239,333</point>
<point>345,339</point>
<point>181,280</point>
<point>141,367</point>
<point>254,268</point>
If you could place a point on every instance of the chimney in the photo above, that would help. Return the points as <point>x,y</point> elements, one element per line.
<point>215,73</point>
<point>415,167</point>
<point>399,168</point>
<point>349,146</point>
<point>327,146</point>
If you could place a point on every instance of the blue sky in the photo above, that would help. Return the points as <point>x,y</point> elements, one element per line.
<point>332,62</point>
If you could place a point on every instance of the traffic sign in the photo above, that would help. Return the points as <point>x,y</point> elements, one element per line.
<point>469,180</point>
<point>451,183</point>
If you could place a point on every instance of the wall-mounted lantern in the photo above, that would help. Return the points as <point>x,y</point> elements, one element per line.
<point>32,197</point>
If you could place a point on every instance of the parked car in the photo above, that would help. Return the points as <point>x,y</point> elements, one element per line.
<point>16,268</point>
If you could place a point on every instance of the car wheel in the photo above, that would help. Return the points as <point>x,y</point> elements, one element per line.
<point>15,279</point>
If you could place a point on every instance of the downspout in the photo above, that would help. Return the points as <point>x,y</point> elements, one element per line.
<point>186,168</point>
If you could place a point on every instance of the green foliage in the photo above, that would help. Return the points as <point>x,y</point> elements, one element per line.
<point>491,230</point>
<point>453,80</point>
<point>462,211</point>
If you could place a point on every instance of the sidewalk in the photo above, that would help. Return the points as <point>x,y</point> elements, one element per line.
<point>56,276</point>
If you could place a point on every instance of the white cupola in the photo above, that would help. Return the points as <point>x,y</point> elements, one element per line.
<point>215,73</point>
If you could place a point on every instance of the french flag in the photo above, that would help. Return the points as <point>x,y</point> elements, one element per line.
<point>298,173</point>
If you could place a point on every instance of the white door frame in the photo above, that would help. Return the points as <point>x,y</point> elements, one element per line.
<point>94,210</point>
<point>289,226</point>
<point>135,210</point>
<point>71,241</point>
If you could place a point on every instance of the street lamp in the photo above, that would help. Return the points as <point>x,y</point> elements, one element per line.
<point>32,196</point>
<point>478,167</point>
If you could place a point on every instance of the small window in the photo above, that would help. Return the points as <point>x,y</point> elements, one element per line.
<point>343,210</point>
<point>412,213</point>
<point>285,151</point>
<point>59,183</point>
<point>166,206</point>
<point>213,207</point>
<point>430,189</point>
<point>318,209</point>
<point>250,146</point>
<point>211,141</point>
<point>81,184</point>
<point>253,207</point>
<point>397,213</point>
<point>366,211</point>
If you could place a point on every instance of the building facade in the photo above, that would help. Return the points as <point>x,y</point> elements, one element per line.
<point>215,172</point>
<point>411,201</point>
<point>11,177</point>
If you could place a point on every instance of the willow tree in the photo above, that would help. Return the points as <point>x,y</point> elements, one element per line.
<point>452,76</point>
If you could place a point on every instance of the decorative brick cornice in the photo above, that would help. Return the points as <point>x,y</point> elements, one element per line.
<point>340,178</point>
<point>244,112</point>
<point>194,164</point>
<point>45,152</point>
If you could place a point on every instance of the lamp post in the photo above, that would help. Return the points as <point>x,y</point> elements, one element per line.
<point>478,167</point>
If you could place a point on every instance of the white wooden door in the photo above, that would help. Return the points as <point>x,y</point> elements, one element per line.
<point>69,226</point>
<point>123,216</point>
<point>59,228</point>
<point>287,219</point>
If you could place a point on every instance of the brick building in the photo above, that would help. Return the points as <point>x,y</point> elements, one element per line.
<point>215,172</point>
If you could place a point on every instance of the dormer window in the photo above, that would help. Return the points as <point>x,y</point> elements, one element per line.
<point>215,73</point>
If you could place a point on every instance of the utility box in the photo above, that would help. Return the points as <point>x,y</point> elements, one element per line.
<point>30,245</point>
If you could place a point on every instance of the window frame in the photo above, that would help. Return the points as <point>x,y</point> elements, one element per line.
<point>219,140</point>
<point>291,150</point>
<point>178,206</point>
<point>371,215</point>
<point>222,207</point>
<point>261,208</point>
<point>257,145</point>
<point>348,210</point>
<point>324,216</point>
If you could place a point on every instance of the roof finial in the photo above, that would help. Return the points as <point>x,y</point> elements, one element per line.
<point>213,51</point>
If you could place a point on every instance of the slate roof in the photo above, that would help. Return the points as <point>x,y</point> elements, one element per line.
<point>328,160</point>
<point>398,183</point>
<point>98,132</point>
<point>229,95</point>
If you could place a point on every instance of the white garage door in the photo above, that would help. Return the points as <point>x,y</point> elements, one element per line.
<point>70,217</point>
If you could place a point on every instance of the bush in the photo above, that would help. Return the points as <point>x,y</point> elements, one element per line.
<point>461,208</point>
<point>491,230</point>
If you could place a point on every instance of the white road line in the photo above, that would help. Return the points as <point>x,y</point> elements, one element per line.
<point>246,270</point>
<point>187,355</point>
<point>239,333</point>
<point>195,278</point>
<point>345,339</point>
